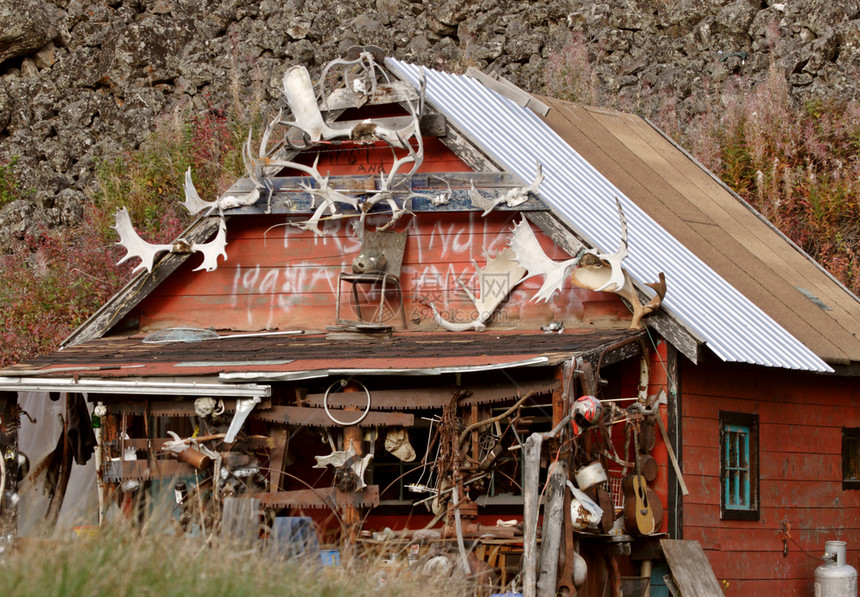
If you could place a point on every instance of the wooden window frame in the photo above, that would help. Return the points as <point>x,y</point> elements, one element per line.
<point>749,421</point>
<point>850,435</point>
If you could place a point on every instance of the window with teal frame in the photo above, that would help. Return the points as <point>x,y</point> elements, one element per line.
<point>739,466</point>
<point>851,458</point>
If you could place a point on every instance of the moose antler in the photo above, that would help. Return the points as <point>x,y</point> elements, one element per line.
<point>147,252</point>
<point>529,254</point>
<point>597,271</point>
<point>212,250</point>
<point>504,270</point>
<point>136,246</point>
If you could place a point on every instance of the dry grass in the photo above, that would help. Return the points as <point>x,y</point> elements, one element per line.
<point>124,562</point>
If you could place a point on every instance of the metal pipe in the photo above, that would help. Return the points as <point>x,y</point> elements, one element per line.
<point>103,386</point>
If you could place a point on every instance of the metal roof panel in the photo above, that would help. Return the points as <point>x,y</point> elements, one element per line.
<point>733,327</point>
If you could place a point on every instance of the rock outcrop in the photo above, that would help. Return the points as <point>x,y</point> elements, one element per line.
<point>80,79</point>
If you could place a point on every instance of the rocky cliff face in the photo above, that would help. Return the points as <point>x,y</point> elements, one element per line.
<point>80,79</point>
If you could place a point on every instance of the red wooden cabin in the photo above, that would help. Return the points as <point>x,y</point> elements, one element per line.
<point>755,346</point>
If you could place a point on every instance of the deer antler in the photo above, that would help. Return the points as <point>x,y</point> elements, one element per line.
<point>512,198</point>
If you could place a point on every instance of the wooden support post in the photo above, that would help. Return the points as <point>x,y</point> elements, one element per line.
<point>559,408</point>
<point>531,510</point>
<point>476,435</point>
<point>352,436</point>
<point>278,457</point>
<point>553,522</point>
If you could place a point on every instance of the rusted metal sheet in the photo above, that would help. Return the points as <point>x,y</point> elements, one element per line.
<point>317,417</point>
<point>489,394</point>
<point>433,398</point>
<point>317,352</point>
<point>324,497</point>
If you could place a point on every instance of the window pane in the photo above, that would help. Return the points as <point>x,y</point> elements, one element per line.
<point>738,473</point>
<point>731,451</point>
<point>852,461</point>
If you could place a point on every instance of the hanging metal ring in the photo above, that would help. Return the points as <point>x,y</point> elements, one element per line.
<point>343,383</point>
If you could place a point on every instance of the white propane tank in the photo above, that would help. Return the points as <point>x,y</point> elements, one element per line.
<point>835,578</point>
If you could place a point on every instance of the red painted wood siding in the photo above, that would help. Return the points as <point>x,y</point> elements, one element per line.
<point>280,277</point>
<point>348,159</point>
<point>285,278</point>
<point>800,421</point>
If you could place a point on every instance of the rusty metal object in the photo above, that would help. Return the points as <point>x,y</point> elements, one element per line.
<point>316,417</point>
<point>389,246</point>
<point>195,458</point>
<point>170,408</point>
<point>436,398</point>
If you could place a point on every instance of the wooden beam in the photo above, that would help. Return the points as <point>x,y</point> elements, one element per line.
<point>323,497</point>
<point>288,196</point>
<point>676,500</point>
<point>690,568</point>
<point>507,89</point>
<point>474,156</point>
<point>157,443</point>
<point>393,93</point>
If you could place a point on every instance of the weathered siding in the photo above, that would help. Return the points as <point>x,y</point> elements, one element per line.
<point>284,278</point>
<point>800,422</point>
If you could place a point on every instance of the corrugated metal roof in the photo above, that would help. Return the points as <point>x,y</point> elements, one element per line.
<point>733,327</point>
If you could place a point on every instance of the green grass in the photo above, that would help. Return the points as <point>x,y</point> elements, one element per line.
<point>9,187</point>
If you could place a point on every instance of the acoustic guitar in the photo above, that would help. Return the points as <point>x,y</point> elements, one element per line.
<point>638,515</point>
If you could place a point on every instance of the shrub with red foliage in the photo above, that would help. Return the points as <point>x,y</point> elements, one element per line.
<point>54,279</point>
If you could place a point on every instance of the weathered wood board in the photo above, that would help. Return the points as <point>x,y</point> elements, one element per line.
<point>690,568</point>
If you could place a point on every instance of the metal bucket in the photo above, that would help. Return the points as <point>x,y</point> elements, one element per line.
<point>590,475</point>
